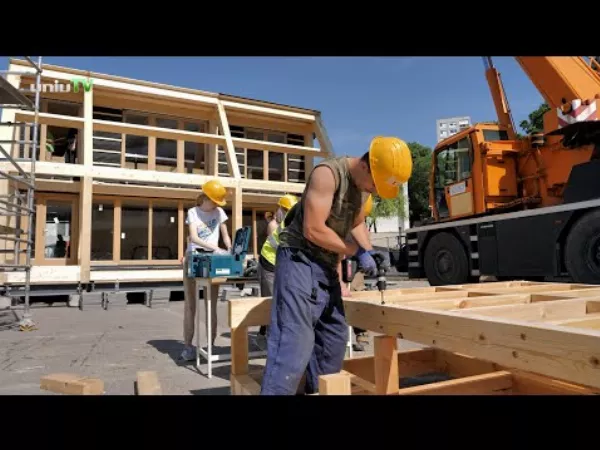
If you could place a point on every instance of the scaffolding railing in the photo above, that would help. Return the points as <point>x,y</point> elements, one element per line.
<point>17,211</point>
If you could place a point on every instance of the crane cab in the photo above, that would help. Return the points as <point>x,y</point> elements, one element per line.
<point>473,172</point>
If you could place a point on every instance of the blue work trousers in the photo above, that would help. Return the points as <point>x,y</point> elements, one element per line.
<point>308,331</point>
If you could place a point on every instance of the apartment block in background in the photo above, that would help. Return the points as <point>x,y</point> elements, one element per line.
<point>447,127</point>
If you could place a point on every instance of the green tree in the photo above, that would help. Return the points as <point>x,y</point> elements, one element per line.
<point>535,124</point>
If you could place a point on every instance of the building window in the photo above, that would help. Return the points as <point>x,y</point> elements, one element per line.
<point>166,149</point>
<point>136,147</point>
<point>165,228</point>
<point>57,232</point>
<point>103,215</point>
<point>195,152</point>
<point>134,230</point>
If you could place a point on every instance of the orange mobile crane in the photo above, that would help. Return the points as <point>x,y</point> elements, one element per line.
<point>518,208</point>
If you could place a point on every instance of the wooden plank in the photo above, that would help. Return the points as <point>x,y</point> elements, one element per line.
<point>244,385</point>
<point>249,311</point>
<point>147,176</point>
<point>549,310</point>
<point>459,365</point>
<point>73,384</point>
<point>586,321</point>
<point>525,383</point>
<point>234,168</point>
<point>559,352</point>
<point>335,384</point>
<point>387,379</point>
<point>482,301</point>
<point>239,350</point>
<point>410,363</point>
<point>147,383</point>
<point>486,384</point>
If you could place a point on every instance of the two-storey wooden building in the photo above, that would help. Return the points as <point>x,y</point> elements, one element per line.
<point>112,210</point>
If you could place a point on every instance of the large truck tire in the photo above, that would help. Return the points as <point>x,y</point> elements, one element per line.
<point>582,249</point>
<point>446,261</point>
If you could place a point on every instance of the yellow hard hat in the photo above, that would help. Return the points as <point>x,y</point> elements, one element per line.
<point>391,165</point>
<point>214,190</point>
<point>288,201</point>
<point>368,206</point>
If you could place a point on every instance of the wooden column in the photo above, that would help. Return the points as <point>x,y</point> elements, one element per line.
<point>254,234</point>
<point>236,211</point>
<point>212,158</point>
<point>387,379</point>
<point>86,155</point>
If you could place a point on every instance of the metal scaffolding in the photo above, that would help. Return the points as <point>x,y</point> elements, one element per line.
<point>17,211</point>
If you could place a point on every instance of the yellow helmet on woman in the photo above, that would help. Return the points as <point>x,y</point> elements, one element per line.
<point>288,201</point>
<point>214,190</point>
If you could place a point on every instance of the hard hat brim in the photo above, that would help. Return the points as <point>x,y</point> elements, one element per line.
<point>387,191</point>
<point>220,203</point>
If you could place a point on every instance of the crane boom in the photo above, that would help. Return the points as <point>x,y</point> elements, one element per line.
<point>499,97</point>
<point>561,79</point>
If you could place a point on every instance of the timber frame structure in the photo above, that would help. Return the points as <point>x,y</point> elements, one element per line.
<point>114,214</point>
<point>501,338</point>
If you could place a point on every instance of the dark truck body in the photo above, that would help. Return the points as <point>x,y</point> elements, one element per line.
<point>556,241</point>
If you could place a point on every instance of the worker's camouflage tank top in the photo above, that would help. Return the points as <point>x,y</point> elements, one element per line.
<point>347,202</point>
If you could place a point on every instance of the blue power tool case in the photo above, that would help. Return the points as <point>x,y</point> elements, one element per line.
<point>207,265</point>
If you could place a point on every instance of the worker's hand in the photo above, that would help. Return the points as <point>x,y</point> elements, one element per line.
<point>221,251</point>
<point>366,263</point>
<point>381,259</point>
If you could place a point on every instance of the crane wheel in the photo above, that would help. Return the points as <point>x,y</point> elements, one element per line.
<point>582,249</point>
<point>446,261</point>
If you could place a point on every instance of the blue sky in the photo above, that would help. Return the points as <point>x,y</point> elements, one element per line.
<point>359,96</point>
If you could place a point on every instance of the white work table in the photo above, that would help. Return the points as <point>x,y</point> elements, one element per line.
<point>210,287</point>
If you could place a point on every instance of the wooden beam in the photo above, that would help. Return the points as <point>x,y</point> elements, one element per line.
<point>108,82</point>
<point>387,378</point>
<point>234,168</point>
<point>239,350</point>
<point>554,351</point>
<point>486,384</point>
<point>325,143</point>
<point>85,227</point>
<point>335,384</point>
<point>276,147</point>
<point>147,383</point>
<point>236,212</point>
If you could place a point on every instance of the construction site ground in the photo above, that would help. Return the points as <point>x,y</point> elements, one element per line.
<point>114,345</point>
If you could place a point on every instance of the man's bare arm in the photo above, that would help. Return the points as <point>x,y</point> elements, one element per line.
<point>317,206</point>
<point>361,235</point>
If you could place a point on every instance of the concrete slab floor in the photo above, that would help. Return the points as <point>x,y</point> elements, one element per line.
<point>114,346</point>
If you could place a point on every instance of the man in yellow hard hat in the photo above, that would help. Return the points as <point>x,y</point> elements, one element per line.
<point>307,330</point>
<point>266,260</point>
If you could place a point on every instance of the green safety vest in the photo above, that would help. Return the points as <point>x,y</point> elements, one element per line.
<point>269,248</point>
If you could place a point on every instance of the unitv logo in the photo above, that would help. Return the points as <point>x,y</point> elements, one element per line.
<point>75,85</point>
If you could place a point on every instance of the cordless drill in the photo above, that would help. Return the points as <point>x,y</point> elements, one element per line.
<point>349,269</point>
<point>381,280</point>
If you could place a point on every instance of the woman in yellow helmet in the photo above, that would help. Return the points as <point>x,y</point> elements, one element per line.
<point>206,225</point>
<point>266,261</point>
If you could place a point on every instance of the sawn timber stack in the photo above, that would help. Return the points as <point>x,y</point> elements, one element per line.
<point>514,337</point>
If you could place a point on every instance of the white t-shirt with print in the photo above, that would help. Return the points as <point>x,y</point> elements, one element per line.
<point>208,225</point>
